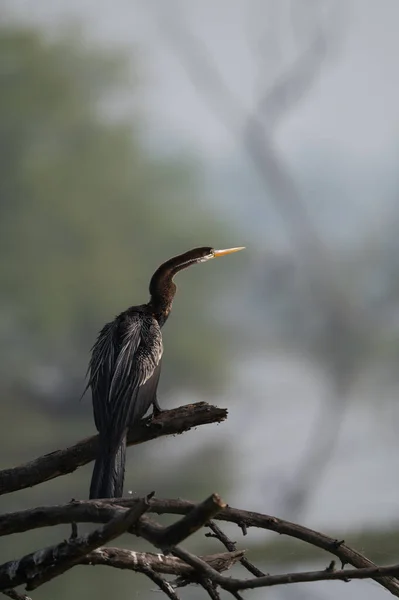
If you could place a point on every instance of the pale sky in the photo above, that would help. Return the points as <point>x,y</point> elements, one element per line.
<point>353,107</point>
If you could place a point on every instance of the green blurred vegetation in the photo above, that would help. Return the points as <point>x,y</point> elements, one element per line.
<point>380,546</point>
<point>87,213</point>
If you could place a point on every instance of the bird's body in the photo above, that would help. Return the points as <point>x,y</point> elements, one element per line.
<point>124,371</point>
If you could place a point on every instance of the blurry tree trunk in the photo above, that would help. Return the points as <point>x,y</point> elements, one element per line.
<point>255,133</point>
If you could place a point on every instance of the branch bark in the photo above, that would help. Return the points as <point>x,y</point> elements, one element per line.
<point>121,558</point>
<point>101,511</point>
<point>232,547</point>
<point>193,520</point>
<point>43,565</point>
<point>14,595</point>
<point>233,585</point>
<point>62,462</point>
<point>163,585</point>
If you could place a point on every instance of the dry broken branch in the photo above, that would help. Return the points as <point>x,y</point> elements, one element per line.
<point>163,585</point>
<point>43,565</point>
<point>194,520</point>
<point>103,511</point>
<point>61,462</point>
<point>121,558</point>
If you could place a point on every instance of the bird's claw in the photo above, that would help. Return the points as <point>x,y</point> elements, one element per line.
<point>156,409</point>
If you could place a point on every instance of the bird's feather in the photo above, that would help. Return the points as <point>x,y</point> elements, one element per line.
<point>124,373</point>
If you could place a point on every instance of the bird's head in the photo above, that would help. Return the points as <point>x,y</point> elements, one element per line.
<point>199,255</point>
<point>162,287</point>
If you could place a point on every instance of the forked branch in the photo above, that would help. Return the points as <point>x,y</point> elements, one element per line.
<point>106,511</point>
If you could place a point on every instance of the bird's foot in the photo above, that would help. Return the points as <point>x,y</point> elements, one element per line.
<point>156,409</point>
<point>74,532</point>
<point>156,412</point>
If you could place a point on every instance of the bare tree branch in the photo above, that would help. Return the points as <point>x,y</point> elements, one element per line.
<point>199,565</point>
<point>236,595</point>
<point>61,462</point>
<point>246,128</point>
<point>303,577</point>
<point>233,585</point>
<point>43,565</point>
<point>163,585</point>
<point>194,520</point>
<point>211,588</point>
<point>295,81</point>
<point>121,558</point>
<point>14,595</point>
<point>231,547</point>
<point>100,511</point>
<point>152,564</point>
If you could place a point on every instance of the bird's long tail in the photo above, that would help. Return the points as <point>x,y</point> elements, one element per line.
<point>109,471</point>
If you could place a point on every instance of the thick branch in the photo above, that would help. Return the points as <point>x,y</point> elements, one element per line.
<point>232,585</point>
<point>199,565</point>
<point>231,547</point>
<point>61,462</point>
<point>262,521</point>
<point>210,566</point>
<point>193,520</point>
<point>99,511</point>
<point>168,565</point>
<point>43,565</point>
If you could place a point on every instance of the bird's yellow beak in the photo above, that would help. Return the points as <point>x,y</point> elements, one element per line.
<point>218,253</point>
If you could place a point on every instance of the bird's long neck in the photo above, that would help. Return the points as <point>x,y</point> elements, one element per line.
<point>162,288</point>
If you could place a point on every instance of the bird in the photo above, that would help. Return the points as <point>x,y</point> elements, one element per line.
<point>125,367</point>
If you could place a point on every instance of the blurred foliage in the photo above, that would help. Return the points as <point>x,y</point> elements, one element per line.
<point>87,213</point>
<point>379,545</point>
<point>185,473</point>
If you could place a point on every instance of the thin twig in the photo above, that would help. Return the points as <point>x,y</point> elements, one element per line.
<point>197,563</point>
<point>43,565</point>
<point>236,595</point>
<point>163,585</point>
<point>231,547</point>
<point>252,519</point>
<point>231,584</point>
<point>210,588</point>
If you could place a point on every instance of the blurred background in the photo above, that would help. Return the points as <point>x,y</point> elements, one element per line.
<point>131,131</point>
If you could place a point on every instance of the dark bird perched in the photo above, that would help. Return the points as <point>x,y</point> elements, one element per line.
<point>124,370</point>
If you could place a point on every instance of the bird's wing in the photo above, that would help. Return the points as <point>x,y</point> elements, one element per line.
<point>128,373</point>
<point>146,395</point>
<point>101,368</point>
